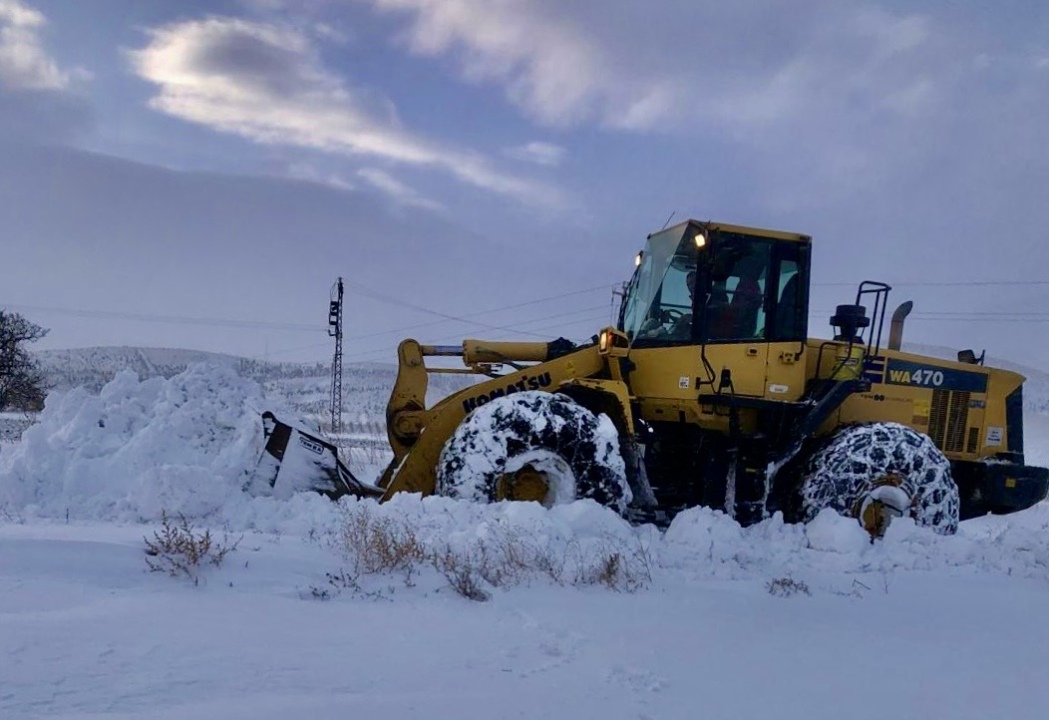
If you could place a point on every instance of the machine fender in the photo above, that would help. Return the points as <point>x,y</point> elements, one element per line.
<point>611,397</point>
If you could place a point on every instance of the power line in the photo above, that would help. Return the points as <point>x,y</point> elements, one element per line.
<point>974,313</point>
<point>368,292</point>
<point>271,325</point>
<point>941,283</point>
<point>927,316</point>
<point>173,319</point>
<point>465,318</point>
<point>981,319</point>
<point>283,351</point>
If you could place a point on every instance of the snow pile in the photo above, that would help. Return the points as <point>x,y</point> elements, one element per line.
<point>138,448</point>
<point>708,543</point>
<point>566,543</point>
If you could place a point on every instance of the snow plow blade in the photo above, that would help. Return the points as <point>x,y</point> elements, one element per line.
<point>295,459</point>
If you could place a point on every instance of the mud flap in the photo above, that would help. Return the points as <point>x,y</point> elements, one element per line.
<point>294,460</point>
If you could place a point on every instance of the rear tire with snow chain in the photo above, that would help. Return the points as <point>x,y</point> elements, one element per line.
<point>859,458</point>
<point>534,445</point>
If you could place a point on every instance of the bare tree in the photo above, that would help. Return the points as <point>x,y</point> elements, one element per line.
<point>22,382</point>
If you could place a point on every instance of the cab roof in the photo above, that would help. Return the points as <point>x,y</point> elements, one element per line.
<point>709,225</point>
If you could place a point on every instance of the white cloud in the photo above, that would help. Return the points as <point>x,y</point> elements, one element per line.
<point>540,153</point>
<point>309,173</point>
<point>683,66</point>
<point>24,64</point>
<point>266,82</point>
<point>832,90</point>
<point>397,190</point>
<point>549,65</point>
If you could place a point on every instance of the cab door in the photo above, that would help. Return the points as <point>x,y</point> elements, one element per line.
<point>735,312</point>
<point>747,365</point>
<point>787,311</point>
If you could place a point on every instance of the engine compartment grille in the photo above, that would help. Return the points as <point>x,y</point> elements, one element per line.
<point>948,418</point>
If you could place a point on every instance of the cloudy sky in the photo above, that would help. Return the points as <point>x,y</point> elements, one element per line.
<point>197,174</point>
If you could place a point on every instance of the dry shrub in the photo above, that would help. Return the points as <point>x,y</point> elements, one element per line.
<point>618,566</point>
<point>377,544</point>
<point>180,550</point>
<point>9,515</point>
<point>506,556</point>
<point>787,587</point>
<point>462,576</point>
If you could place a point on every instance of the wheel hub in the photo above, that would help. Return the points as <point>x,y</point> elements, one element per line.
<point>877,507</point>
<point>526,484</point>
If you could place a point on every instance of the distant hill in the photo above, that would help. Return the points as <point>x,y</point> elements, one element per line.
<point>94,367</point>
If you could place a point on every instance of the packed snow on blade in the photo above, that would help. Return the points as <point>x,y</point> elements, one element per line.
<point>295,459</point>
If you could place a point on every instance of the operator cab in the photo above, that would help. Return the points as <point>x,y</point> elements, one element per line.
<point>704,283</point>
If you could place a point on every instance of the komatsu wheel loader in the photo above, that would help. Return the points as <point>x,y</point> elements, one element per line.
<point>709,391</point>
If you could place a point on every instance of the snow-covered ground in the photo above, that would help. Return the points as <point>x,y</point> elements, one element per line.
<point>704,620</point>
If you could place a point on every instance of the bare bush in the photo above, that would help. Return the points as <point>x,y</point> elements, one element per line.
<point>378,544</point>
<point>462,575</point>
<point>10,515</point>
<point>182,551</point>
<point>618,566</point>
<point>787,587</point>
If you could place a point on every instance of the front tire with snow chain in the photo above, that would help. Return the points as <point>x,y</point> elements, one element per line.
<point>533,434</point>
<point>860,458</point>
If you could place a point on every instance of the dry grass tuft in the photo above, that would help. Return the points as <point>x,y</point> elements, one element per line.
<point>180,550</point>
<point>787,587</point>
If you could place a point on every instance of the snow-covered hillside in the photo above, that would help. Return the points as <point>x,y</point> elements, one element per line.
<point>94,367</point>
<point>586,615</point>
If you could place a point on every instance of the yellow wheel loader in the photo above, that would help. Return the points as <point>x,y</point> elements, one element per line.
<point>709,391</point>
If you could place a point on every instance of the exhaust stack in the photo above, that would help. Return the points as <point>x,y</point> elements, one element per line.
<point>896,329</point>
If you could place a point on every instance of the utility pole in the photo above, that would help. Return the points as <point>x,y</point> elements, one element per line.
<point>335,331</point>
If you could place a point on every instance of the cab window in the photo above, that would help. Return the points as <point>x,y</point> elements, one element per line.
<point>739,279</point>
<point>790,306</point>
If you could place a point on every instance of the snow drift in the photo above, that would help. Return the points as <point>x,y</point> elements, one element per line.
<point>138,448</point>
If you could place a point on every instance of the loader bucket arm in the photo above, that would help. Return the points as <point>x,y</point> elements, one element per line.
<point>418,435</point>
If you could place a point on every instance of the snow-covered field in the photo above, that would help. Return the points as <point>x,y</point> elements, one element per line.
<point>704,620</point>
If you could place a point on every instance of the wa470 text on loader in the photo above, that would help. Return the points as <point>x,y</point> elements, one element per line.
<point>708,391</point>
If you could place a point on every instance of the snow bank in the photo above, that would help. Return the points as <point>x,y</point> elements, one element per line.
<point>138,448</point>
<point>711,544</point>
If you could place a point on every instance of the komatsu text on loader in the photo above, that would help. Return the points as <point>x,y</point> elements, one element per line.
<point>708,391</point>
